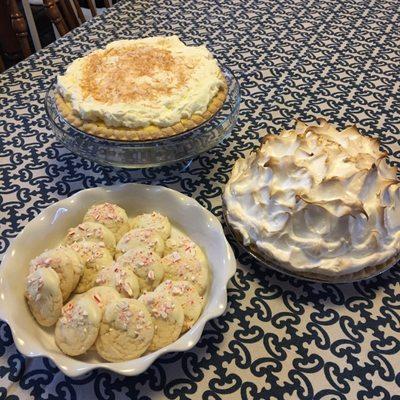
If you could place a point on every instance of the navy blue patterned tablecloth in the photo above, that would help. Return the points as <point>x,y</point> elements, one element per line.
<point>280,338</point>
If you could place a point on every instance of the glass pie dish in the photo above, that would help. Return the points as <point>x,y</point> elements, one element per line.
<point>148,153</point>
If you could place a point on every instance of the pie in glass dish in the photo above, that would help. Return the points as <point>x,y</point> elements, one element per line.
<point>317,202</point>
<point>141,89</point>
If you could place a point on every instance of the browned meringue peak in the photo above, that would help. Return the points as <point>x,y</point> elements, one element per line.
<point>317,199</point>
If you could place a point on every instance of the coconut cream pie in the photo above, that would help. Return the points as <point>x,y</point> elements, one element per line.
<point>141,89</point>
<point>317,201</point>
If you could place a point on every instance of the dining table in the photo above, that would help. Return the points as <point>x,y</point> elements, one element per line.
<point>280,337</point>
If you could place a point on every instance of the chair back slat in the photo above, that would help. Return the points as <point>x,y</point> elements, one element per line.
<point>92,7</point>
<point>68,14</point>
<point>55,16</point>
<point>20,28</point>
<point>78,10</point>
<point>2,67</point>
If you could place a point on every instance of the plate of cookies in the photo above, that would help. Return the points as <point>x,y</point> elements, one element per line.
<point>114,277</point>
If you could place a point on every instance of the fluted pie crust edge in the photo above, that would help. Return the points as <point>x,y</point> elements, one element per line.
<point>99,128</point>
<point>364,273</point>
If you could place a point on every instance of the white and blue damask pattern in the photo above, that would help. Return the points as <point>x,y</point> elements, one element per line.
<point>280,338</point>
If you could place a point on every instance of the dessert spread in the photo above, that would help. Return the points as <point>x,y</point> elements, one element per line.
<point>315,199</point>
<point>108,284</point>
<point>141,89</point>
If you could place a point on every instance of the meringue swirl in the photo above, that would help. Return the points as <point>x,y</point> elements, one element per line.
<point>317,200</point>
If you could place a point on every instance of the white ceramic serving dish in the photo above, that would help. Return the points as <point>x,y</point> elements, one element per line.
<point>47,230</point>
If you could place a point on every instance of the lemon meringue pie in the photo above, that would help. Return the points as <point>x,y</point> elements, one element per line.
<point>141,89</point>
<point>315,200</point>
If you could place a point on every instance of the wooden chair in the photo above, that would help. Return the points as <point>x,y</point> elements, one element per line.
<point>64,14</point>
<point>2,67</point>
<point>20,28</point>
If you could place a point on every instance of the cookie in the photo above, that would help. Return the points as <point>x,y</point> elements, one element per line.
<point>140,238</point>
<point>186,295</point>
<point>126,331</point>
<point>154,221</point>
<point>95,257</point>
<point>111,216</point>
<point>167,317</point>
<point>92,232</point>
<point>77,329</point>
<point>182,268</point>
<point>43,295</point>
<point>184,246</point>
<point>66,262</point>
<point>122,279</point>
<point>146,265</point>
<point>102,295</point>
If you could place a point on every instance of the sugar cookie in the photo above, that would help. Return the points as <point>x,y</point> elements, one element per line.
<point>181,268</point>
<point>111,216</point>
<point>102,295</point>
<point>141,238</point>
<point>92,232</point>
<point>154,221</point>
<point>66,262</point>
<point>146,265</point>
<point>44,296</point>
<point>186,295</point>
<point>95,257</point>
<point>167,316</point>
<point>78,327</point>
<point>121,278</point>
<point>126,331</point>
<point>184,246</point>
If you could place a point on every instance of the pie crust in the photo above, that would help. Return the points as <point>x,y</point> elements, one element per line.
<point>100,129</point>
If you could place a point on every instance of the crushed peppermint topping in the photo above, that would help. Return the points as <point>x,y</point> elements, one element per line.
<point>116,276</point>
<point>140,322</point>
<point>161,307</point>
<point>74,314</point>
<point>124,314</point>
<point>178,289</point>
<point>101,279</point>
<point>142,235</point>
<point>175,256</point>
<point>140,258</point>
<point>106,211</point>
<point>90,251</point>
<point>163,310</point>
<point>150,275</point>
<point>35,283</point>
<point>168,284</point>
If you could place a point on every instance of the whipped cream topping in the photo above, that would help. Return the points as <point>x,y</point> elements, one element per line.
<point>316,199</point>
<point>137,83</point>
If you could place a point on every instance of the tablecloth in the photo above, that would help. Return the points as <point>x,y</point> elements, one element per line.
<point>280,338</point>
